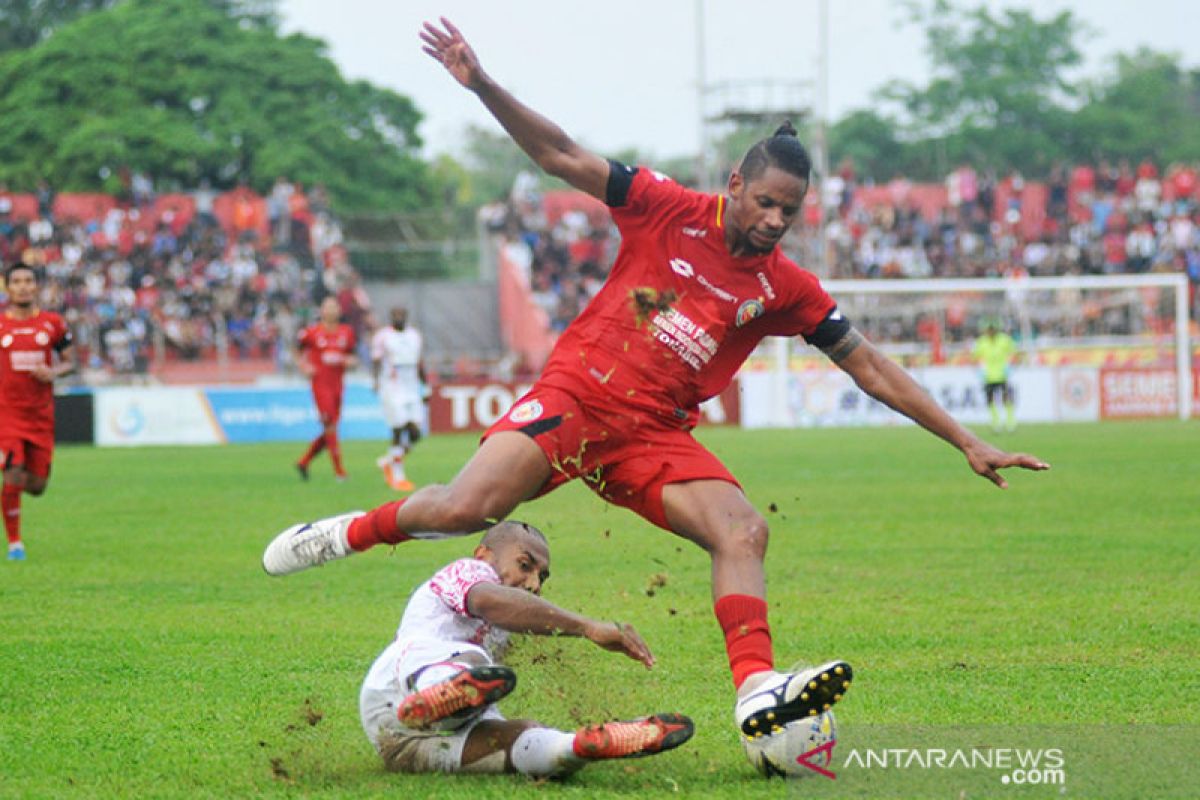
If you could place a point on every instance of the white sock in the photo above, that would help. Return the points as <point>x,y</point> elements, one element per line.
<point>397,453</point>
<point>754,680</point>
<point>541,752</point>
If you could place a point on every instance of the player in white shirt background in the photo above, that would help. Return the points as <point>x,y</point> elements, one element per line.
<point>427,703</point>
<point>399,378</point>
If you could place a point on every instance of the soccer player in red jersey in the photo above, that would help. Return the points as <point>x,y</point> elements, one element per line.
<point>29,341</point>
<point>698,282</point>
<point>326,351</point>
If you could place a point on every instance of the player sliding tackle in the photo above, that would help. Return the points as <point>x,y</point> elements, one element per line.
<point>427,702</point>
<point>698,282</point>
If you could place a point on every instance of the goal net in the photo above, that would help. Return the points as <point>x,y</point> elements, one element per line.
<point>1089,348</point>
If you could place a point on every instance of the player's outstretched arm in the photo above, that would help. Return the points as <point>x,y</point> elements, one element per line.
<point>880,377</point>
<point>520,611</point>
<point>546,143</point>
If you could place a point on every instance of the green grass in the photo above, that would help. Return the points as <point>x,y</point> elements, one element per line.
<point>143,653</point>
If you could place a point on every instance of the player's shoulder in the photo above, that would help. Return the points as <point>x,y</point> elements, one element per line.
<point>783,276</point>
<point>52,318</point>
<point>642,189</point>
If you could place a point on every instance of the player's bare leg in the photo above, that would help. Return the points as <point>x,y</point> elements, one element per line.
<point>507,469</point>
<point>717,516</point>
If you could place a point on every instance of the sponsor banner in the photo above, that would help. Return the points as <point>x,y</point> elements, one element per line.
<point>289,414</point>
<point>828,397</point>
<point>1126,393</point>
<point>475,405</point>
<point>136,417</point>
<point>1077,394</point>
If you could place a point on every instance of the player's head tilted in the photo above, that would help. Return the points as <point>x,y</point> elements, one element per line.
<point>767,191</point>
<point>331,311</point>
<point>399,317</point>
<point>518,552</point>
<point>21,285</point>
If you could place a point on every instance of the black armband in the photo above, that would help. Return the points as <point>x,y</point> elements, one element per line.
<point>66,341</point>
<point>829,331</point>
<point>620,178</point>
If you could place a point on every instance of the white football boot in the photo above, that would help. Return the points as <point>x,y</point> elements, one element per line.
<point>782,697</point>
<point>309,544</point>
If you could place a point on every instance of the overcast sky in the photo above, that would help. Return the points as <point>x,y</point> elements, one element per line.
<point>623,73</point>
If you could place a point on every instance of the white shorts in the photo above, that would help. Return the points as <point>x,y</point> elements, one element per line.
<point>401,407</point>
<point>403,749</point>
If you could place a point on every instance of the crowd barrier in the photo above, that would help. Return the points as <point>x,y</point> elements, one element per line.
<point>132,417</point>
<point>829,398</point>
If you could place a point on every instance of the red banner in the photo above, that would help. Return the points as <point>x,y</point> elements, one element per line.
<point>473,405</point>
<point>1126,393</point>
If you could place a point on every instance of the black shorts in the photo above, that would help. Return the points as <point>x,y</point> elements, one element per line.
<point>1001,389</point>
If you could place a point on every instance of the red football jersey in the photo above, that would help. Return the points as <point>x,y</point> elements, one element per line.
<point>326,351</point>
<point>27,404</point>
<point>679,315</point>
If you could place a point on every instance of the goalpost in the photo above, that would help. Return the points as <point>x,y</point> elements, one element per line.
<point>1118,326</point>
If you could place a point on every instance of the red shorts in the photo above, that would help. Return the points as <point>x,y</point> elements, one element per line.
<point>626,456</point>
<point>329,403</point>
<point>34,457</point>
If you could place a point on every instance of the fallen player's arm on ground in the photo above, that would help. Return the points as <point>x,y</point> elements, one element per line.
<point>520,611</point>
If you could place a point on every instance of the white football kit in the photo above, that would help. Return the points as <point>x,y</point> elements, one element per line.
<point>436,628</point>
<point>399,354</point>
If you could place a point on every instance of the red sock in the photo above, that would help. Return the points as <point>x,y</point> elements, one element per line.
<point>10,504</point>
<point>335,453</point>
<point>747,636</point>
<point>314,447</point>
<point>376,527</point>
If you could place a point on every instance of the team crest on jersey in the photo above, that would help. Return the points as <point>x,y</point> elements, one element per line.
<point>6,341</point>
<point>42,338</point>
<point>749,310</point>
<point>526,412</point>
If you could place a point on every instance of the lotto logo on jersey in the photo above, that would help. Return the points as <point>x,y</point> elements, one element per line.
<point>681,267</point>
<point>526,412</point>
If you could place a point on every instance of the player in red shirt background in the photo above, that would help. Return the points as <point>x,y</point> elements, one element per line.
<point>698,282</point>
<point>325,352</point>
<point>29,341</point>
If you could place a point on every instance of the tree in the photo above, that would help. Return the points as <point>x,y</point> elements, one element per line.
<point>1149,106</point>
<point>869,139</point>
<point>1000,93</point>
<point>186,90</point>
<point>24,23</point>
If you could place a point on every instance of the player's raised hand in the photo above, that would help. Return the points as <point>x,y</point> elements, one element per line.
<point>620,637</point>
<point>450,49</point>
<point>986,459</point>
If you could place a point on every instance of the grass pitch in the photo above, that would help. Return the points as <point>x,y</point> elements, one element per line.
<point>143,652</point>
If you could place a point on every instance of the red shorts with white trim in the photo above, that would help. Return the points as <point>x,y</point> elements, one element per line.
<point>626,456</point>
<point>33,456</point>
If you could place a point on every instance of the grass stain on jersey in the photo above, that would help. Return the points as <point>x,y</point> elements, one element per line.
<point>647,301</point>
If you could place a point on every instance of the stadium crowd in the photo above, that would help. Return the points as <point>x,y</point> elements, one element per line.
<point>180,277</point>
<point>1086,219</point>
<point>151,278</point>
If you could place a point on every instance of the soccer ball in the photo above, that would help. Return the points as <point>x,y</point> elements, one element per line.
<point>778,754</point>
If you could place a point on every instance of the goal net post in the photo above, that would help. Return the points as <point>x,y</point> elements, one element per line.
<point>1089,347</point>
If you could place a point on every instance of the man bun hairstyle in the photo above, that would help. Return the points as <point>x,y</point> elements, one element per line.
<point>781,150</point>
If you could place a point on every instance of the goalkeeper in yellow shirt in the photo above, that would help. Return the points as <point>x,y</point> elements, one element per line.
<point>996,351</point>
